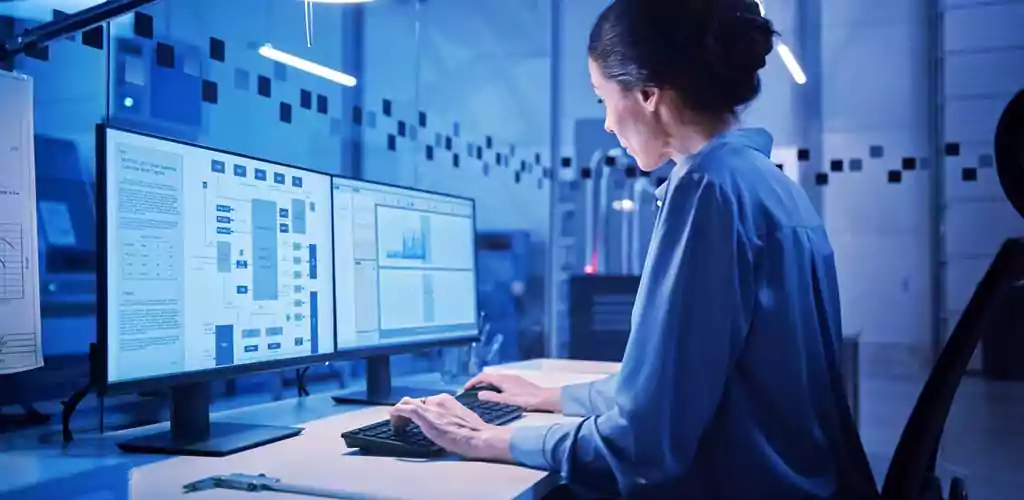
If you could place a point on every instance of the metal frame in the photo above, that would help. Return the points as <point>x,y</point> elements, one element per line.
<point>82,20</point>
<point>937,212</point>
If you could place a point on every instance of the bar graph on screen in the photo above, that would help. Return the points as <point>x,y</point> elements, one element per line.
<point>415,241</point>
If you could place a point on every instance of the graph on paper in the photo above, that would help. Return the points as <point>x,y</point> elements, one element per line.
<point>12,259</point>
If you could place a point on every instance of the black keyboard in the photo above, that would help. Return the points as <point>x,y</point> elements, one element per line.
<point>379,439</point>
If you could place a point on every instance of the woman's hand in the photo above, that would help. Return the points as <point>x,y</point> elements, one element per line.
<point>454,427</point>
<point>518,391</point>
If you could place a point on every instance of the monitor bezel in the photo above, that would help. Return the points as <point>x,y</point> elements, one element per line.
<point>104,386</point>
<point>405,347</point>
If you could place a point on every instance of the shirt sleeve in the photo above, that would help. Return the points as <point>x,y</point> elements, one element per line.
<point>690,320</point>
<point>589,398</point>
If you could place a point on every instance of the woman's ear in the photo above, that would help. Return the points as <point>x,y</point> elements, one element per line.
<point>649,98</point>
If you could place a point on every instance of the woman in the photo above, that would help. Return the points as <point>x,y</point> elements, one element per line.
<point>729,386</point>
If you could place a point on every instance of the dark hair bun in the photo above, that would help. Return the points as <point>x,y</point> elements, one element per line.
<point>709,51</point>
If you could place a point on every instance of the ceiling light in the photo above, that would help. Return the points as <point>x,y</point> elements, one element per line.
<point>333,75</point>
<point>791,64</point>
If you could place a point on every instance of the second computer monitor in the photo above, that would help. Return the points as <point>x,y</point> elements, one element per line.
<point>405,266</point>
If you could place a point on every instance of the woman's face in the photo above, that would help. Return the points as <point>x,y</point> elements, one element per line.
<point>632,117</point>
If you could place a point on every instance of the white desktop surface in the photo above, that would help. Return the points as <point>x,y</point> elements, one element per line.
<point>92,467</point>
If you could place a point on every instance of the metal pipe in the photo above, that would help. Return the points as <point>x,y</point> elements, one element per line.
<point>589,195</point>
<point>82,20</point>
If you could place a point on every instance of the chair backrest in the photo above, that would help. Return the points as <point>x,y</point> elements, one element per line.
<point>912,469</point>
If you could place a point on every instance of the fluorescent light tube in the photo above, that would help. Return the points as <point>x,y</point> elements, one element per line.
<point>333,75</point>
<point>791,64</point>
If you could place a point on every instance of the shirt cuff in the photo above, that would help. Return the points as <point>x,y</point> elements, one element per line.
<point>527,446</point>
<point>576,400</point>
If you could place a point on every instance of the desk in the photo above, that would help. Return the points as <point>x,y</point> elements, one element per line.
<point>93,467</point>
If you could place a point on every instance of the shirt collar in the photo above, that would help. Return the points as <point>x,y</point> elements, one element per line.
<point>755,138</point>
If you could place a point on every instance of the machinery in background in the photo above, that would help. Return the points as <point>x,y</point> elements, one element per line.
<point>600,316</point>
<point>504,263</point>
<point>67,230</point>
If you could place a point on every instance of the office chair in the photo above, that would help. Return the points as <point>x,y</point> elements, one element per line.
<point>911,474</point>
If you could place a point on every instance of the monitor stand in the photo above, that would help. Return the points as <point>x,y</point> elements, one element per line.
<point>193,434</point>
<point>379,390</point>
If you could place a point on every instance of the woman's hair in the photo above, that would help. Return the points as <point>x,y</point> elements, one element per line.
<point>709,51</point>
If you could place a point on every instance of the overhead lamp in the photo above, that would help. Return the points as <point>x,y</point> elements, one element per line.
<point>792,65</point>
<point>311,67</point>
<point>624,205</point>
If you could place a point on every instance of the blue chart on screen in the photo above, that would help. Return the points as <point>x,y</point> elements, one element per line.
<point>405,265</point>
<point>214,260</point>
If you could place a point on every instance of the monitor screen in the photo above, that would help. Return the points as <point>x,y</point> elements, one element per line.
<point>405,266</point>
<point>213,260</point>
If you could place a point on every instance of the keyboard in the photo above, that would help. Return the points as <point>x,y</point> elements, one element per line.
<point>379,439</point>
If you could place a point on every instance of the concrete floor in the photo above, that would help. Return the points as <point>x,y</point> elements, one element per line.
<point>983,443</point>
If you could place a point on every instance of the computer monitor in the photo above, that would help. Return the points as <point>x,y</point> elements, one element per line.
<point>405,267</point>
<point>210,267</point>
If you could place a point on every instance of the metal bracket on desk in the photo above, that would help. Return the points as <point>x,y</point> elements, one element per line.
<point>261,482</point>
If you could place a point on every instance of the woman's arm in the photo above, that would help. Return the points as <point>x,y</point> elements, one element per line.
<point>589,398</point>
<point>692,314</point>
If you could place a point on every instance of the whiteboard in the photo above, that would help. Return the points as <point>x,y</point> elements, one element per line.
<point>21,346</point>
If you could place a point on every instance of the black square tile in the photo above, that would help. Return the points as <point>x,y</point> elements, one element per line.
<point>455,160</point>
<point>536,158</point>
<point>93,37</point>
<point>305,99</point>
<point>969,174</point>
<point>210,91</point>
<point>401,128</point>
<point>486,169</point>
<point>952,149</point>
<point>392,142</point>
<point>448,142</point>
<point>517,177</point>
<point>497,159</point>
<point>321,104</point>
<point>895,176</point>
<point>479,153</point>
<point>803,154</point>
<point>357,115</point>
<point>423,119</point>
<point>430,152</point>
<point>585,173</point>
<point>986,161</point>
<point>489,142</point>
<point>217,49</point>
<point>286,112</point>
<point>263,86</point>
<point>143,25</point>
<point>856,164</point>
<point>909,163</point>
<point>821,179</point>
<point>876,151</point>
<point>566,162</point>
<point>836,165</point>
<point>387,107</point>
<point>164,55</point>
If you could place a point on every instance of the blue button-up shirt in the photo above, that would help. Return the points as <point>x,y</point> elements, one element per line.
<point>729,386</point>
